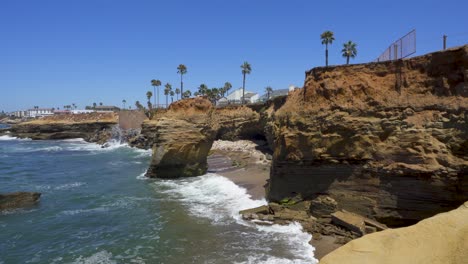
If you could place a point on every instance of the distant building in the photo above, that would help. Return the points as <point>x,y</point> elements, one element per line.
<point>236,97</point>
<point>81,111</point>
<point>106,108</point>
<point>19,114</point>
<point>275,93</point>
<point>39,112</point>
<point>62,112</point>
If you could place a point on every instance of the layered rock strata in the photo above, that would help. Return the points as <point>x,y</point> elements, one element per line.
<point>181,138</point>
<point>96,127</point>
<point>385,140</point>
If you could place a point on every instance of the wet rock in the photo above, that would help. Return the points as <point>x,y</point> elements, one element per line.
<point>18,200</point>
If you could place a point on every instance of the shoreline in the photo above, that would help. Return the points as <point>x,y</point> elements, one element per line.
<point>246,166</point>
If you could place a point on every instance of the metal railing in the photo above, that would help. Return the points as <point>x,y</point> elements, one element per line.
<point>402,48</point>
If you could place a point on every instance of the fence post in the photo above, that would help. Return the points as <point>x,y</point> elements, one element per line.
<point>395,51</point>
<point>445,41</point>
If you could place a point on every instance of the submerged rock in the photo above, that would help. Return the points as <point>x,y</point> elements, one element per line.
<point>16,200</point>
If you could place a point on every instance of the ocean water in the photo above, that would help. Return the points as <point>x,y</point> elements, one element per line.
<point>97,207</point>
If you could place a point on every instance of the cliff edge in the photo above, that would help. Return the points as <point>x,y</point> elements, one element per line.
<point>386,140</point>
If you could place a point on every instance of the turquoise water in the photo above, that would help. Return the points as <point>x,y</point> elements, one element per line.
<point>96,207</point>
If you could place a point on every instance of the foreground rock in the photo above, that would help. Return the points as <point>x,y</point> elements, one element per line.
<point>93,127</point>
<point>440,239</point>
<point>16,200</point>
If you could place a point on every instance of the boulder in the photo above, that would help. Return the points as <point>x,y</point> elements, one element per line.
<point>16,200</point>
<point>441,239</point>
<point>323,206</point>
<point>349,221</point>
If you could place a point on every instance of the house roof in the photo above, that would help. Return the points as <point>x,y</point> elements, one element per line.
<point>40,109</point>
<point>275,93</point>
<point>105,106</point>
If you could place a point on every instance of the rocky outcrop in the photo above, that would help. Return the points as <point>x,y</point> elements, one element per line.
<point>16,200</point>
<point>439,239</point>
<point>180,139</point>
<point>180,149</point>
<point>95,127</point>
<point>385,140</point>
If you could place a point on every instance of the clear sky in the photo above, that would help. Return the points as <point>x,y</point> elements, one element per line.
<point>54,53</point>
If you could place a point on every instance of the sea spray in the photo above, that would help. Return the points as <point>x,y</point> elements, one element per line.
<point>218,199</point>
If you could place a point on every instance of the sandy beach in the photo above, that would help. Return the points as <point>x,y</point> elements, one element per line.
<point>246,163</point>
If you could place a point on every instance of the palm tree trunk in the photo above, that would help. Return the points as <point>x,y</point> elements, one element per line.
<point>166,101</point>
<point>154,89</point>
<point>158,99</point>
<point>181,84</point>
<point>243,90</point>
<point>326,55</point>
<point>347,60</point>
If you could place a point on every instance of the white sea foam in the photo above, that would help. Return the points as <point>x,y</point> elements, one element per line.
<point>142,176</point>
<point>85,211</point>
<point>50,149</point>
<point>7,138</point>
<point>212,196</point>
<point>17,211</point>
<point>69,186</point>
<point>101,257</point>
<point>220,200</point>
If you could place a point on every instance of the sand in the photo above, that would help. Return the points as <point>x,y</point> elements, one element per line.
<point>246,163</point>
<point>242,163</point>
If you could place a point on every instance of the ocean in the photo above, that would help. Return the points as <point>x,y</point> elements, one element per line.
<point>97,207</point>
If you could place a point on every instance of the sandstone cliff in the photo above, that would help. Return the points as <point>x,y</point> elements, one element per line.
<point>387,140</point>
<point>94,127</point>
<point>181,137</point>
<point>440,239</point>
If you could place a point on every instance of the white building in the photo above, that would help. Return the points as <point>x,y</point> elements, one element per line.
<point>236,96</point>
<point>19,113</point>
<point>39,112</point>
<point>81,111</point>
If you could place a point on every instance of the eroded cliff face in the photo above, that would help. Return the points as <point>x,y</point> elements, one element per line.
<point>181,138</point>
<point>386,140</point>
<point>95,127</point>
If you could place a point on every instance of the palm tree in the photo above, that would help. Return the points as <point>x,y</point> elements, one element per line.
<point>246,69</point>
<point>349,50</point>
<point>148,95</point>
<point>177,91</point>
<point>172,96</point>
<point>94,105</point>
<point>74,105</point>
<point>187,94</point>
<point>124,102</point>
<point>156,83</point>
<point>167,90</point>
<point>181,70</point>
<point>138,105</point>
<point>100,103</point>
<point>269,91</point>
<point>227,87</point>
<point>327,38</point>
<point>203,89</point>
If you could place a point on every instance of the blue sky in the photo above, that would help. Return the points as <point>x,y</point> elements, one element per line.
<point>54,53</point>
